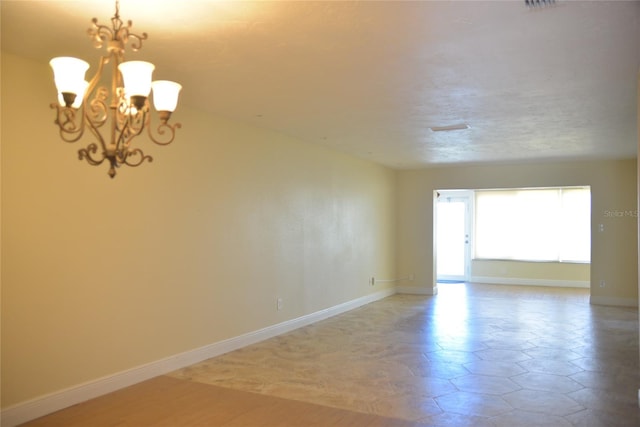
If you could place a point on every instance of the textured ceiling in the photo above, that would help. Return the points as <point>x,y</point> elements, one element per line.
<point>371,77</point>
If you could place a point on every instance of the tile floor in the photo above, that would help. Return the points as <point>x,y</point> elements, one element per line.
<point>474,355</point>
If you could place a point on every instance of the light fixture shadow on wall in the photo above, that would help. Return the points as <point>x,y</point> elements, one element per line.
<point>123,111</point>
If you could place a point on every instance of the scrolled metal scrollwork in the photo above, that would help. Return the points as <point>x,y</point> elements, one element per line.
<point>86,154</point>
<point>166,132</point>
<point>135,157</point>
<point>135,123</point>
<point>70,129</point>
<point>136,40</point>
<point>101,34</point>
<point>97,111</point>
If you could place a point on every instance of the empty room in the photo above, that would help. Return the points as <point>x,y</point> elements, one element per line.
<point>252,239</point>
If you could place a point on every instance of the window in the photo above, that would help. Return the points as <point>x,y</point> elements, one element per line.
<point>542,224</point>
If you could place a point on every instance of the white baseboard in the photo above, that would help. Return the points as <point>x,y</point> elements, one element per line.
<point>61,399</point>
<point>614,301</point>
<point>416,290</point>
<point>531,282</point>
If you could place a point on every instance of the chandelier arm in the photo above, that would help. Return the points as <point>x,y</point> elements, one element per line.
<point>122,135</point>
<point>96,77</point>
<point>96,132</point>
<point>162,129</point>
<point>95,109</point>
<point>126,134</point>
<point>121,120</point>
<point>136,124</point>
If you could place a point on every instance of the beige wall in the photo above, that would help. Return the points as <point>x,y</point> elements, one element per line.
<point>101,275</point>
<point>614,202</point>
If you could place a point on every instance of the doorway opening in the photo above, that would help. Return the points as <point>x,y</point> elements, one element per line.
<point>453,235</point>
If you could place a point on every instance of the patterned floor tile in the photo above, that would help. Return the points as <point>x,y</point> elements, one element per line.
<point>474,355</point>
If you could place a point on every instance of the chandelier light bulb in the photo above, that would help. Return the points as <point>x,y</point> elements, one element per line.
<point>79,96</point>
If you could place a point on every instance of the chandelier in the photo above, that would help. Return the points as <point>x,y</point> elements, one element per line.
<point>120,113</point>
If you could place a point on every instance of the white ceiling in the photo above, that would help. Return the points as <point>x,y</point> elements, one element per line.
<point>371,77</point>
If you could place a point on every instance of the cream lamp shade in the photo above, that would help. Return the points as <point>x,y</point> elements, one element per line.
<point>137,77</point>
<point>68,74</point>
<point>165,95</point>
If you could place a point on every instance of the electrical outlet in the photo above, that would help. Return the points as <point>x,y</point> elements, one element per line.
<point>279,304</point>
<point>411,276</point>
<point>602,283</point>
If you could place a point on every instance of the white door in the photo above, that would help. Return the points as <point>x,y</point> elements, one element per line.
<point>453,225</point>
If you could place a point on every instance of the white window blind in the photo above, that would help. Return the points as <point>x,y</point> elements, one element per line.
<point>545,224</point>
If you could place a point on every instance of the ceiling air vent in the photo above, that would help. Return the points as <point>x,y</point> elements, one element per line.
<point>460,126</point>
<point>539,3</point>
